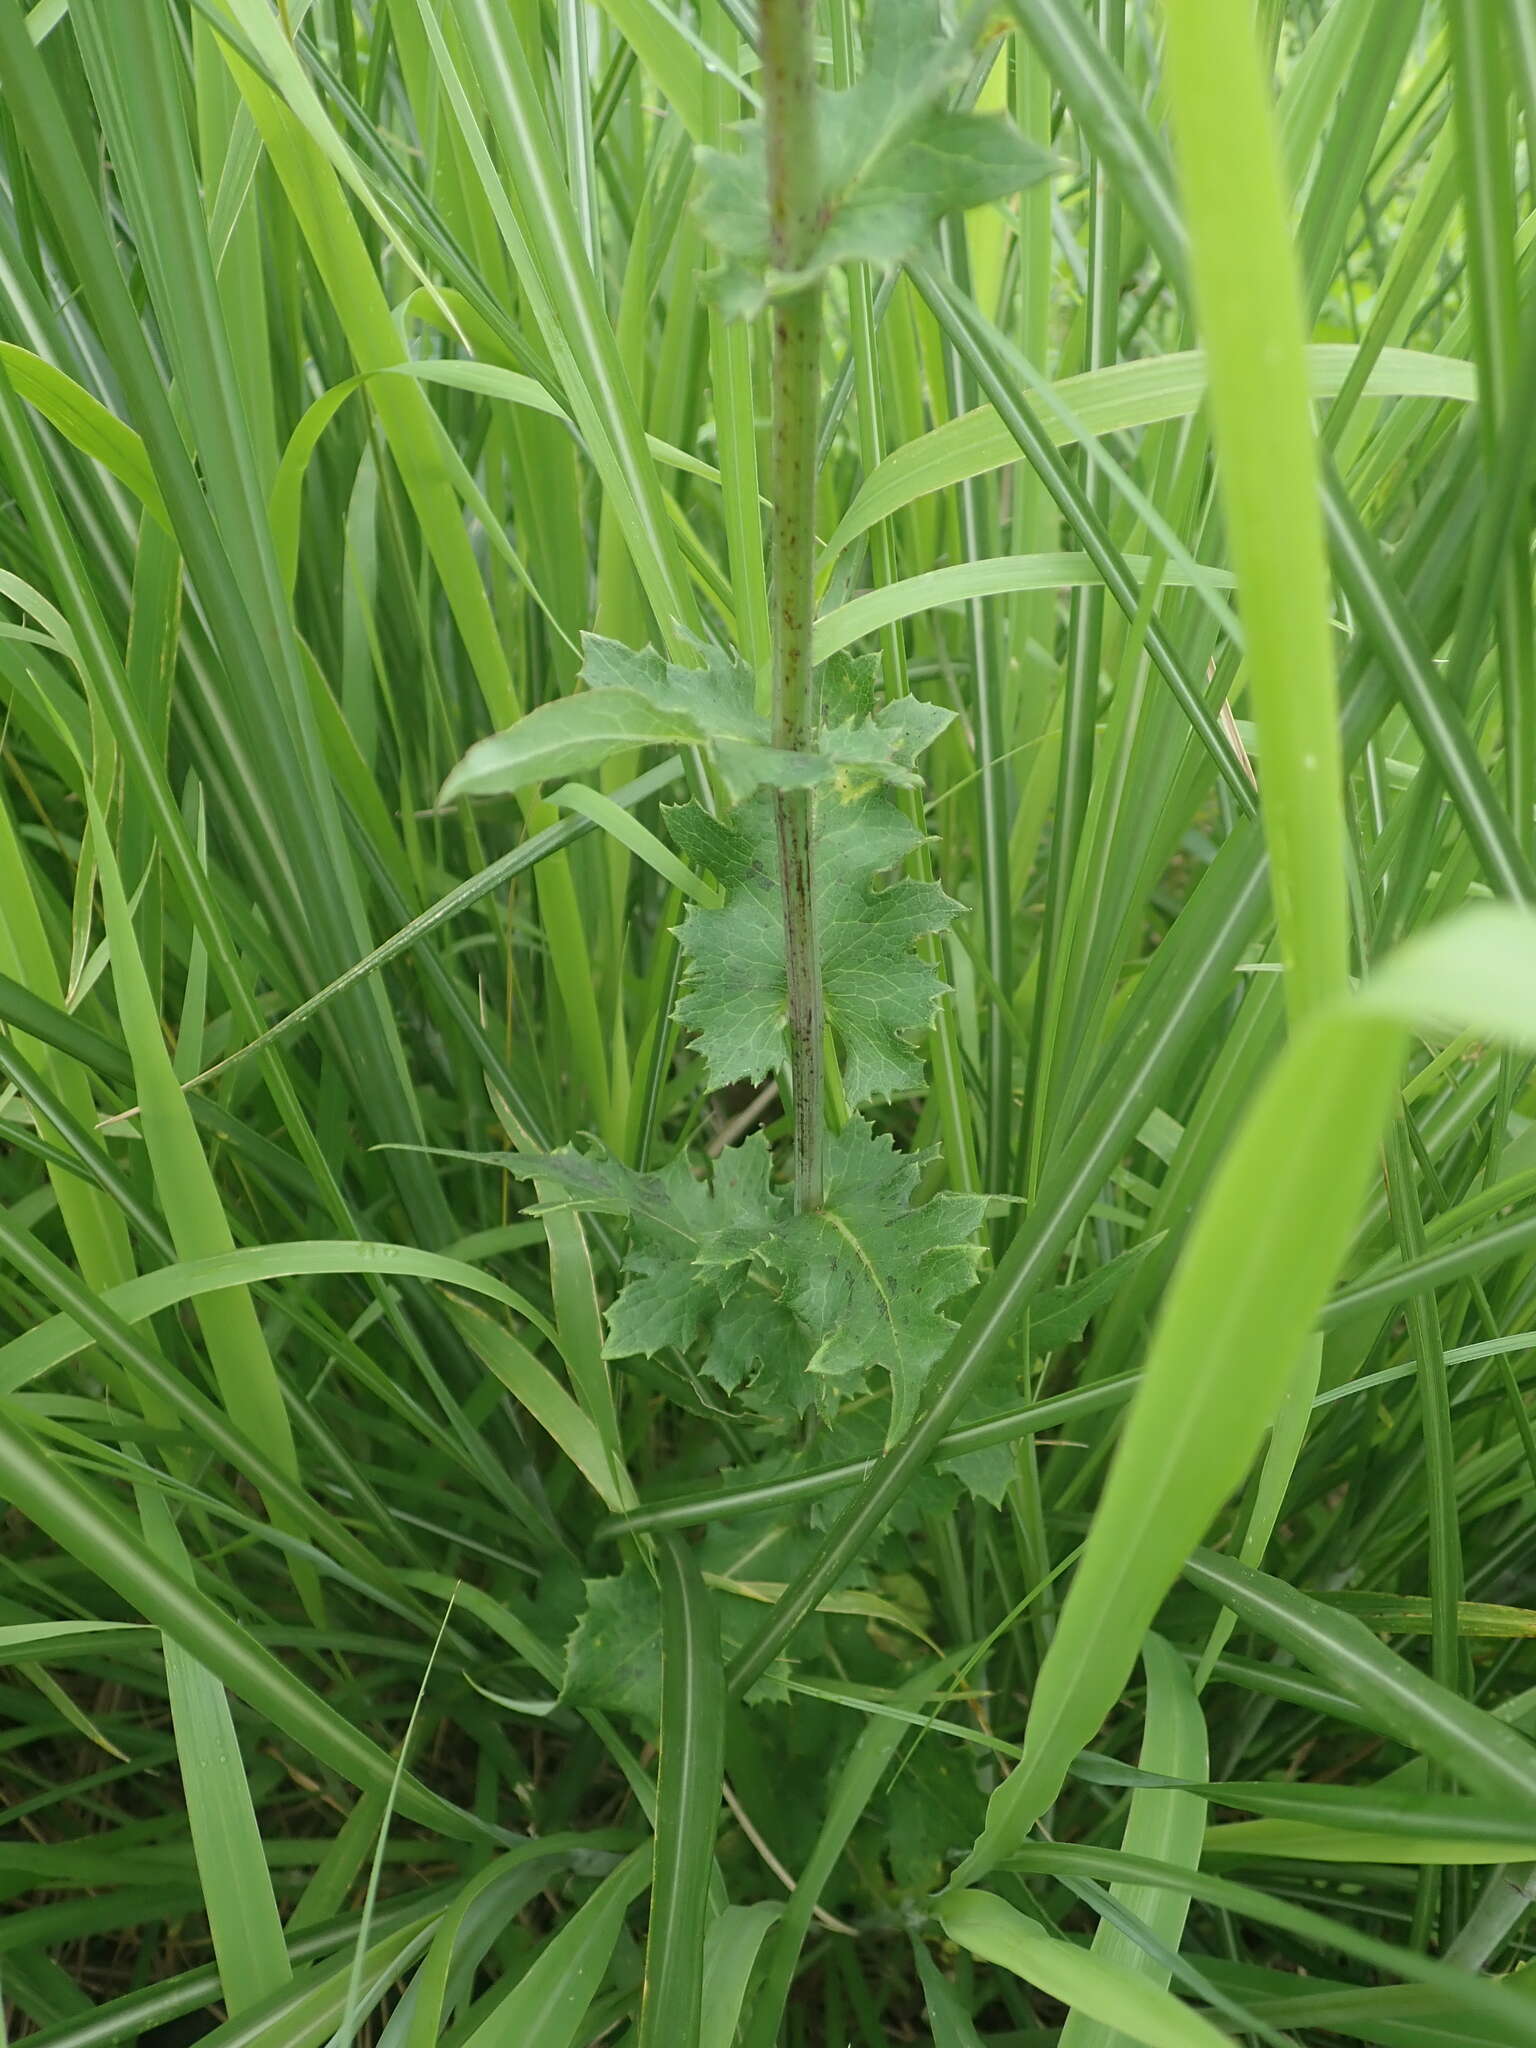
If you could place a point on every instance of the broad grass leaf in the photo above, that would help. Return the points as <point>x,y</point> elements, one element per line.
<point>1395,1820</point>
<point>1256,1842</point>
<point>872,611</point>
<point>1248,300</point>
<point>731,1949</point>
<point>502,1886</point>
<point>1261,1256</point>
<point>1506,2017</point>
<point>1162,1822</point>
<point>620,825</point>
<point>1259,1261</point>
<point>690,1764</point>
<point>551,1998</point>
<point>537,1390</point>
<point>1126,2004</point>
<point>86,422</point>
<point>238,1897</point>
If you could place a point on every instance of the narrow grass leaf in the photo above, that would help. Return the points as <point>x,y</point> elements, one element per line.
<point>862,617</point>
<point>1112,401</point>
<point>87,1529</point>
<point>243,1920</point>
<point>187,1190</point>
<point>1483,1752</point>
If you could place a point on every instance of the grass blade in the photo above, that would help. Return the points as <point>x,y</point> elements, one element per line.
<point>89,1530</point>
<point>690,1764</point>
<point>1167,1825</point>
<point>1485,1754</point>
<point>550,2000</point>
<point>1292,1176</point>
<point>1128,2005</point>
<point>1250,317</point>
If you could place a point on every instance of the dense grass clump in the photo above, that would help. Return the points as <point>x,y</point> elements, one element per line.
<point>767,999</point>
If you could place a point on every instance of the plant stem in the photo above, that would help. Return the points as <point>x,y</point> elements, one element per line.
<point>789,113</point>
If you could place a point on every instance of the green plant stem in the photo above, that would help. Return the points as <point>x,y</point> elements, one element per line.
<point>789,113</point>
<point>864,314</point>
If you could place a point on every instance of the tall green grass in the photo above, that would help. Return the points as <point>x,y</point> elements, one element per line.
<point>387,1657</point>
